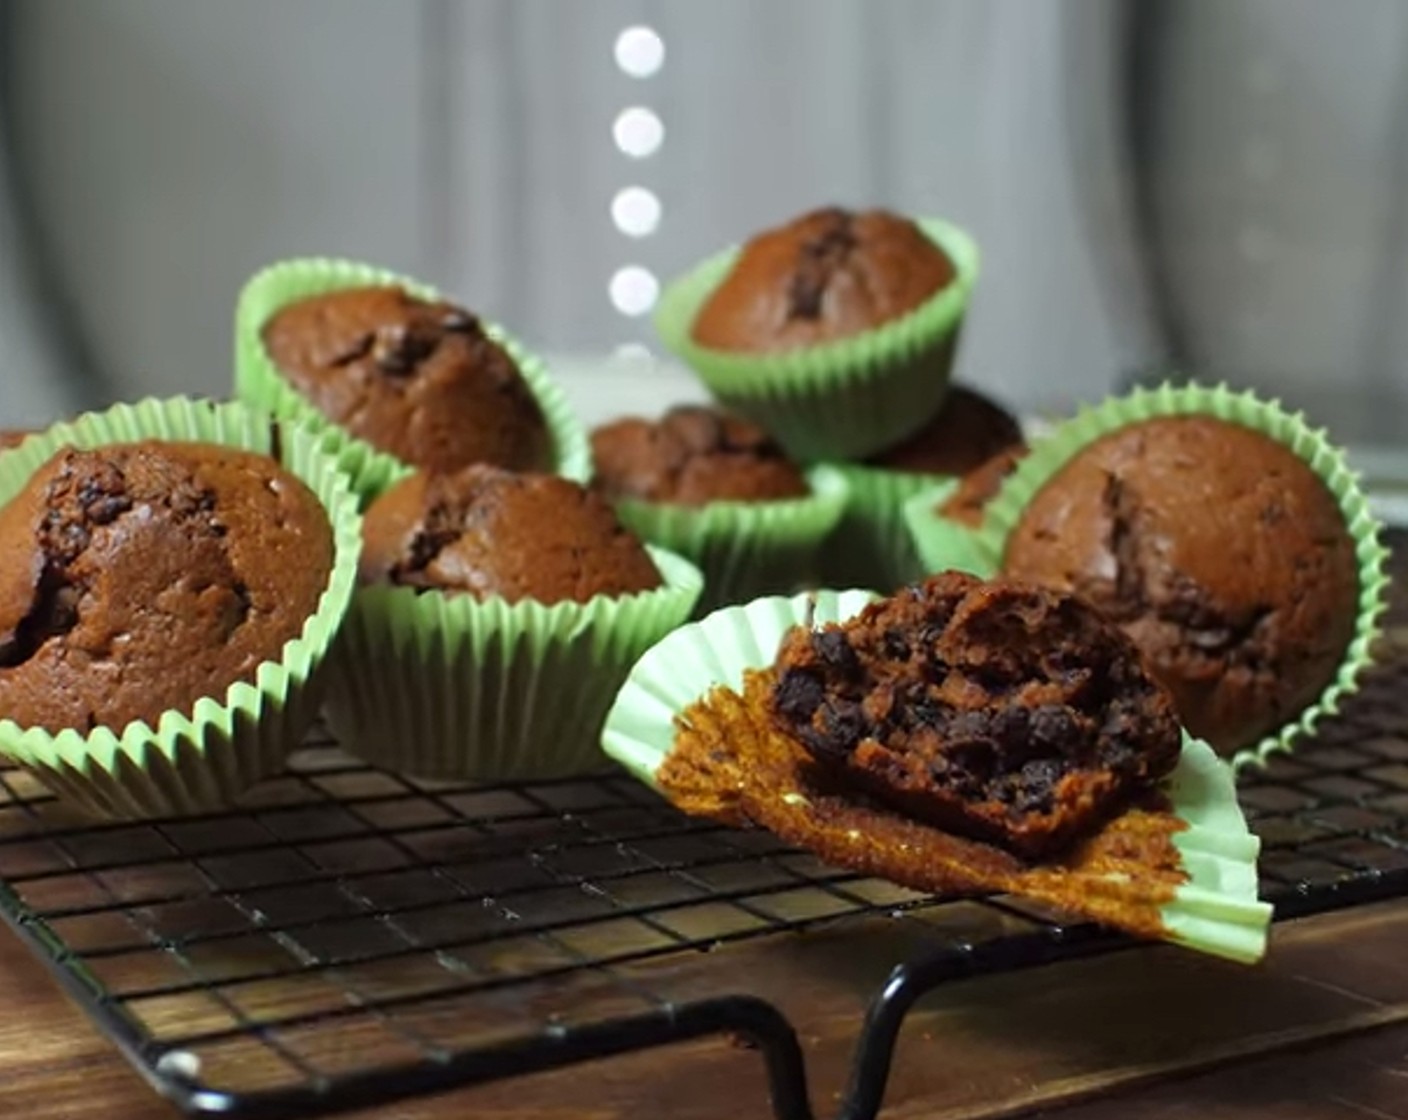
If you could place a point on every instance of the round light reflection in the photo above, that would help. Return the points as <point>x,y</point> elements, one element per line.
<point>638,132</point>
<point>633,290</point>
<point>640,52</point>
<point>636,211</point>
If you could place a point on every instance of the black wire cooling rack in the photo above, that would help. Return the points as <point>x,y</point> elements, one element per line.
<point>354,937</point>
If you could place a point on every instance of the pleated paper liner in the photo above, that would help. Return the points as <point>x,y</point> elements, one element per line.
<point>1186,874</point>
<point>447,686</point>
<point>872,545</point>
<point>838,400</point>
<point>746,549</point>
<point>940,541</point>
<point>259,382</point>
<point>200,760</point>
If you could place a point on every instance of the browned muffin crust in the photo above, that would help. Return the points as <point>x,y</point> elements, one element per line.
<point>966,432</point>
<point>1220,553</point>
<point>1001,711</point>
<point>981,485</point>
<point>691,456</point>
<point>829,274</point>
<point>139,578</point>
<point>419,380</point>
<point>13,438</point>
<point>492,533</point>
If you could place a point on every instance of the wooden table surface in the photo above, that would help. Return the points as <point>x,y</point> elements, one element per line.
<point>1319,1031</point>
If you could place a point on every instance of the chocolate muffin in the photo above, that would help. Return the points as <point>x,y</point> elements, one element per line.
<point>967,431</point>
<point>691,456</point>
<point>827,275</point>
<point>1219,551</point>
<point>1000,711</point>
<point>491,533</point>
<point>417,379</point>
<point>139,578</point>
<point>980,486</point>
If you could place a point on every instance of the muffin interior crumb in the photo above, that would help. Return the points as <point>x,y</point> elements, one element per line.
<point>999,710</point>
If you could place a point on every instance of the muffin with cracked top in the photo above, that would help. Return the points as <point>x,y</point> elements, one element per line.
<point>829,274</point>
<point>835,331</point>
<point>691,456</point>
<point>718,489</point>
<point>417,378</point>
<point>1218,550</point>
<point>492,533</point>
<point>139,578</point>
<point>498,614</point>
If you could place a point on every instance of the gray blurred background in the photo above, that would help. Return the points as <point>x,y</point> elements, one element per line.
<point>1216,184</point>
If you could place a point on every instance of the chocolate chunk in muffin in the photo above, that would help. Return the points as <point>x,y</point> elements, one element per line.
<point>827,275</point>
<point>491,533</point>
<point>1219,551</point>
<point>691,456</point>
<point>418,379</point>
<point>1001,711</point>
<point>139,578</point>
<point>966,432</point>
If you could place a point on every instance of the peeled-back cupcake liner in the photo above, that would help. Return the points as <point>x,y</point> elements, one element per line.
<point>202,760</point>
<point>448,686</point>
<point>872,545</point>
<point>258,380</point>
<point>940,543</point>
<point>844,399</point>
<point>746,549</point>
<point>1215,910</point>
<point>986,546</point>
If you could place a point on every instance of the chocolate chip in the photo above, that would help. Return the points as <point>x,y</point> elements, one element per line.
<point>835,652</point>
<point>358,350</point>
<point>895,644</point>
<point>1053,728</point>
<point>398,349</point>
<point>798,694</point>
<point>459,322</point>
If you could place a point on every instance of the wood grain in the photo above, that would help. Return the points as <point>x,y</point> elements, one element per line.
<point>1121,1025</point>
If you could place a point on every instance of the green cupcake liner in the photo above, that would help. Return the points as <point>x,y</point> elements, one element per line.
<point>1215,911</point>
<point>745,549</point>
<point>941,544</point>
<point>839,400</point>
<point>1050,454</point>
<point>259,382</point>
<point>196,762</point>
<point>447,686</point>
<point>872,545</point>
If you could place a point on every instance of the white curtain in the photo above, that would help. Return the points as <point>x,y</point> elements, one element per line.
<point>176,145</point>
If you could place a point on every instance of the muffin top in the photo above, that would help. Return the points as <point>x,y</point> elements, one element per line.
<point>494,534</point>
<point>980,486</point>
<point>1219,551</point>
<point>138,578</point>
<point>691,456</point>
<point>827,275</point>
<point>967,431</point>
<point>417,379</point>
<point>12,438</point>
